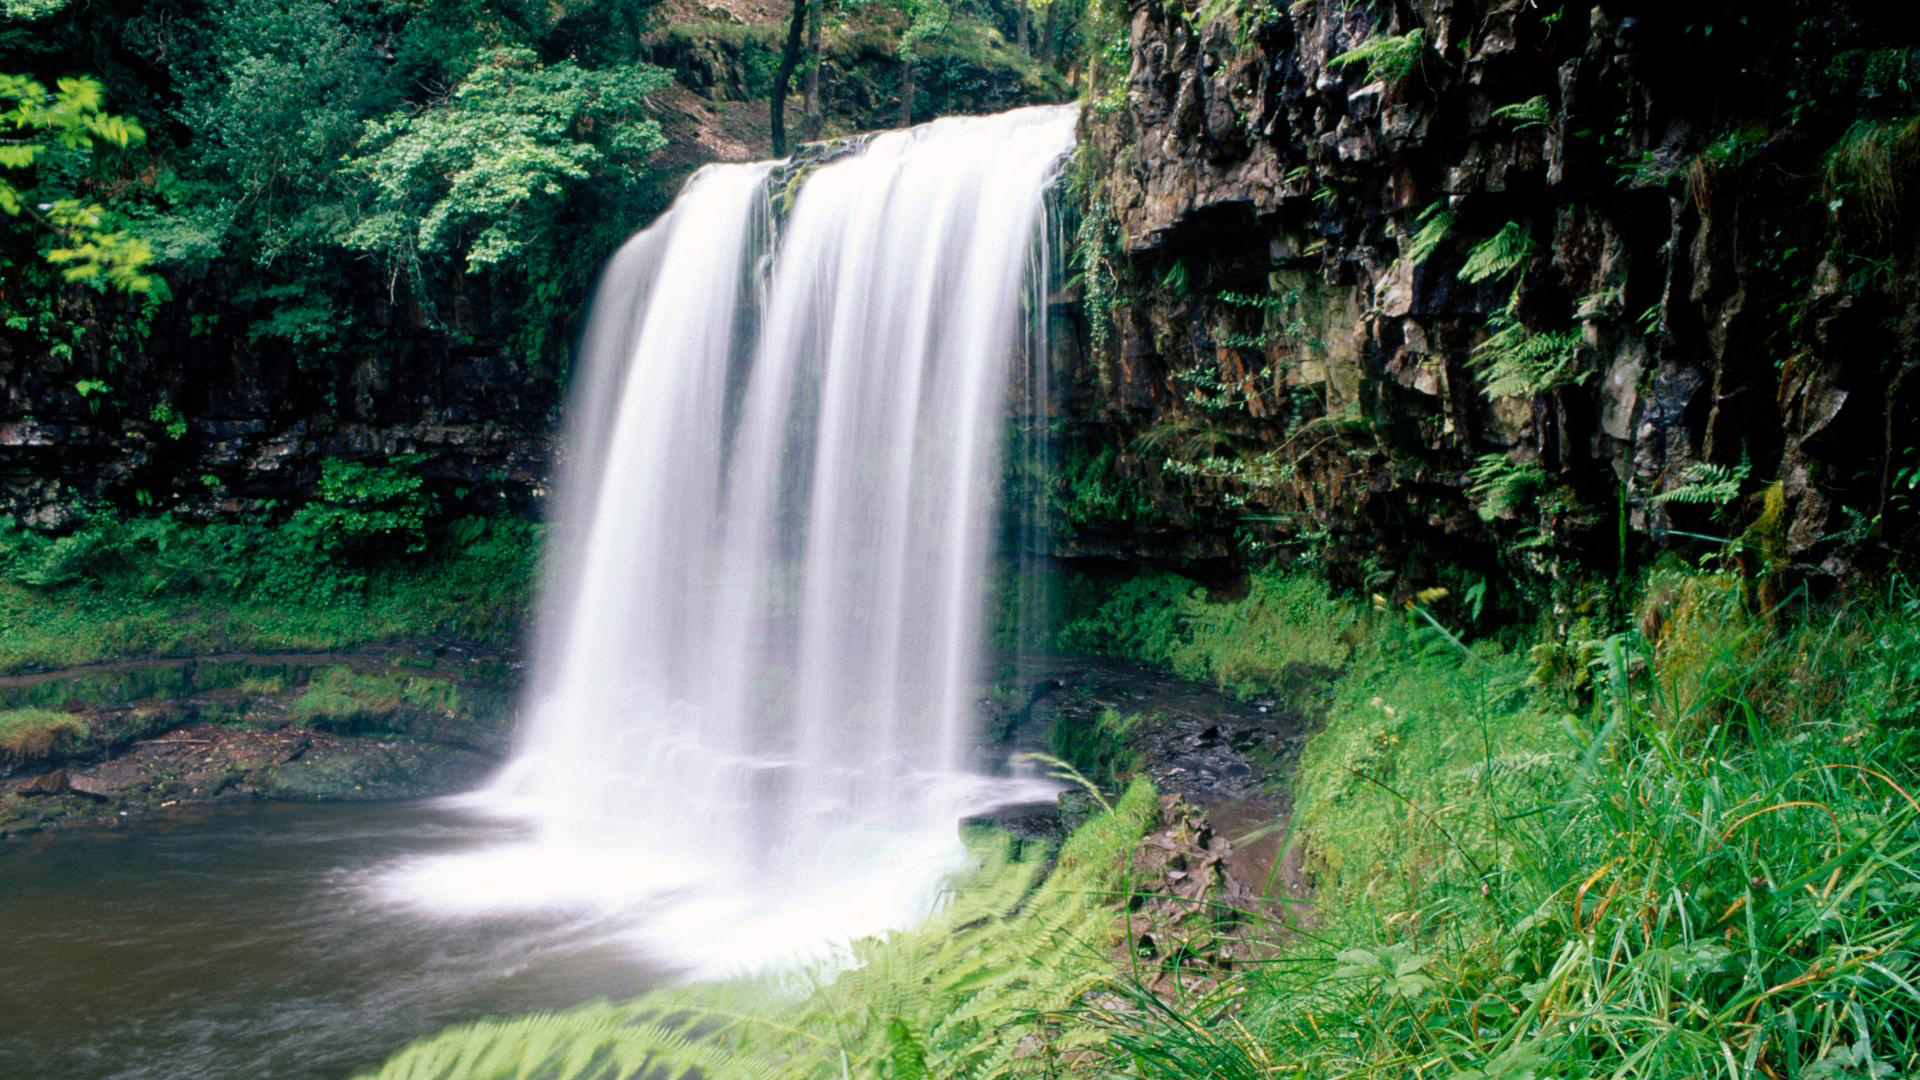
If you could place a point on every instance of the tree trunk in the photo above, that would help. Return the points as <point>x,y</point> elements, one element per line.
<point>1020,32</point>
<point>783,78</point>
<point>810,86</point>
<point>906,90</point>
<point>1046,36</point>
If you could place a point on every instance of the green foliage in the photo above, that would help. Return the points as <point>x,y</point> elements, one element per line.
<point>1091,492</point>
<point>1517,362</point>
<point>1388,59</point>
<point>60,129</point>
<point>1096,253</point>
<point>352,702</point>
<point>1870,171</point>
<point>363,507</point>
<point>487,172</point>
<point>1101,749</point>
<point>117,587</point>
<point>1500,254</point>
<point>170,420</point>
<point>1501,487</point>
<point>1281,630</point>
<point>970,993</point>
<point>357,162</point>
<point>1435,222</point>
<point>1705,483</point>
<point>1532,112</point>
<point>1711,870</point>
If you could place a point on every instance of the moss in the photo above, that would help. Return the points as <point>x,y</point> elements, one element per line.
<point>351,702</point>
<point>1101,748</point>
<point>30,736</point>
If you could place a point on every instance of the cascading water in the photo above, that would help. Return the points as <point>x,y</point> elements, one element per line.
<point>747,730</point>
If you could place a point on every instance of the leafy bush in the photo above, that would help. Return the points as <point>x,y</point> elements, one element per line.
<point>1283,627</point>
<point>365,508</point>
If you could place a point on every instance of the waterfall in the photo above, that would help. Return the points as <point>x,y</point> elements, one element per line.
<point>748,729</point>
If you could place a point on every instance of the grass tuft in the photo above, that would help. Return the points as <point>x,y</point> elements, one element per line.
<point>33,735</point>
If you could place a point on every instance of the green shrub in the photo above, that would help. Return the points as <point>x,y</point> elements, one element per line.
<point>367,508</point>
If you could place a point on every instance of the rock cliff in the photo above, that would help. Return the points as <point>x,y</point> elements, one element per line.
<point>1521,285</point>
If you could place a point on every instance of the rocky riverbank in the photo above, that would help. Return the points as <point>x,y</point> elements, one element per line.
<point>109,742</point>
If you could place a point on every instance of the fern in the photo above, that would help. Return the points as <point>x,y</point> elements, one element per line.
<point>933,1001</point>
<point>1388,59</point>
<point>1532,112</point>
<point>1435,223</point>
<point>1517,362</point>
<point>1500,254</point>
<point>906,1055</point>
<point>1499,487</point>
<point>1704,484</point>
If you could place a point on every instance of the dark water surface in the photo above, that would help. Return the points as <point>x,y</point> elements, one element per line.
<point>247,941</point>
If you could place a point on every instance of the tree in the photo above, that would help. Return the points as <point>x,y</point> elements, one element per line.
<point>783,76</point>
<point>925,19</point>
<point>810,86</point>
<point>68,122</point>
<point>485,174</point>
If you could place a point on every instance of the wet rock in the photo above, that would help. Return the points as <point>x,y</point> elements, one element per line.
<point>1709,322</point>
<point>49,783</point>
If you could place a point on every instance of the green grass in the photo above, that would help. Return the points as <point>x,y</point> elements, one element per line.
<point>344,700</point>
<point>976,991</point>
<point>1708,867</point>
<point>159,587</point>
<point>33,735</point>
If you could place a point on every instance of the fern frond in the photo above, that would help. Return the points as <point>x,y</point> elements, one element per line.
<point>1388,59</point>
<point>1435,223</point>
<point>1705,484</point>
<point>1532,112</point>
<point>1499,486</point>
<point>1517,362</point>
<point>1500,254</point>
